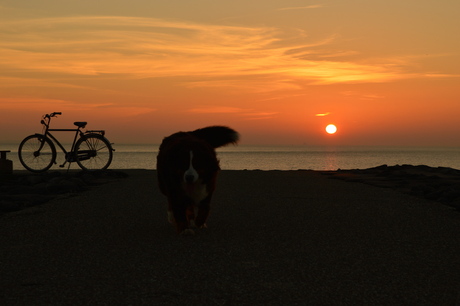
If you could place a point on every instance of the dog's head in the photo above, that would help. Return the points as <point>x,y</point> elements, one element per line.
<point>198,161</point>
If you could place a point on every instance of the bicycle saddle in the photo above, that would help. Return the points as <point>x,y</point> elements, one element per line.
<point>80,124</point>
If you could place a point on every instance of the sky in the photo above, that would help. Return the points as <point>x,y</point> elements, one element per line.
<point>277,71</point>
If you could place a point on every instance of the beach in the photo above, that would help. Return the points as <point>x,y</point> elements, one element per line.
<point>273,238</point>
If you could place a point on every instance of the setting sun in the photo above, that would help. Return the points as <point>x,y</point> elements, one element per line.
<point>331,129</point>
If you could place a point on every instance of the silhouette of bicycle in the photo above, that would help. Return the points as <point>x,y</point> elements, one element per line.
<point>90,149</point>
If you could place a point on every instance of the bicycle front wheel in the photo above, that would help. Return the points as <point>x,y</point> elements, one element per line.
<point>93,152</point>
<point>37,153</point>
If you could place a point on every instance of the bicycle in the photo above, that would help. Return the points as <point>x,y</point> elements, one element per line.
<point>90,149</point>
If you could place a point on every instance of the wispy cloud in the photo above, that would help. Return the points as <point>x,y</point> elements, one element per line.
<point>36,104</point>
<point>256,58</point>
<point>216,110</point>
<point>27,103</point>
<point>247,114</point>
<point>260,115</point>
<point>34,82</point>
<point>315,6</point>
<point>441,75</point>
<point>362,96</point>
<point>247,85</point>
<point>323,114</point>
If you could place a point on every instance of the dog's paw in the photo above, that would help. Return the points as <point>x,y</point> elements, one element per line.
<point>204,226</point>
<point>187,232</point>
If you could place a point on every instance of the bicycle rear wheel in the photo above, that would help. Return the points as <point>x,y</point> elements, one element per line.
<point>37,153</point>
<point>93,152</point>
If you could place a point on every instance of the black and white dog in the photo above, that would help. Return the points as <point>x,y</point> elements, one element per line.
<point>187,169</point>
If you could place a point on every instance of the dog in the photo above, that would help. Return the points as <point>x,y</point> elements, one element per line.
<point>187,168</point>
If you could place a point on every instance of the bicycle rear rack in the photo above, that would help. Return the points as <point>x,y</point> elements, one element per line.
<point>102,132</point>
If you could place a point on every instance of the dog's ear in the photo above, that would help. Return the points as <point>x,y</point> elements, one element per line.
<point>217,136</point>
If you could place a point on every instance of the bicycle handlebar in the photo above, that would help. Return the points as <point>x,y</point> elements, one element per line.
<point>52,115</point>
<point>48,116</point>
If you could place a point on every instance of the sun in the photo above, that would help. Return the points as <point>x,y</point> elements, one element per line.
<point>331,129</point>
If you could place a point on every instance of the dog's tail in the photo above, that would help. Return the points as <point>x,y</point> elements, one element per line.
<point>217,136</point>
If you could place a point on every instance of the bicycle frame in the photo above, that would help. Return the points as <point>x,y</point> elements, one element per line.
<point>78,132</point>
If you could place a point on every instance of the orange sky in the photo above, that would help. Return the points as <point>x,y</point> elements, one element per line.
<point>385,72</point>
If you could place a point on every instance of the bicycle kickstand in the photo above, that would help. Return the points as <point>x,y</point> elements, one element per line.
<point>63,165</point>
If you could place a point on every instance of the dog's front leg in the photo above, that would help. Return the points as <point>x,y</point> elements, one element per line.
<point>203,212</point>
<point>178,206</point>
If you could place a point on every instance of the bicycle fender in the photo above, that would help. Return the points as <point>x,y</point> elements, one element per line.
<point>111,147</point>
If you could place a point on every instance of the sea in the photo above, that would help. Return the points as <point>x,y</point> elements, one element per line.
<point>297,157</point>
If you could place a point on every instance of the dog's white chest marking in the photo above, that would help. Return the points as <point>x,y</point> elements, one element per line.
<point>192,184</point>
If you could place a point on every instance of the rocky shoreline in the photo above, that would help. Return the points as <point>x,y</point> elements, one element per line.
<point>440,184</point>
